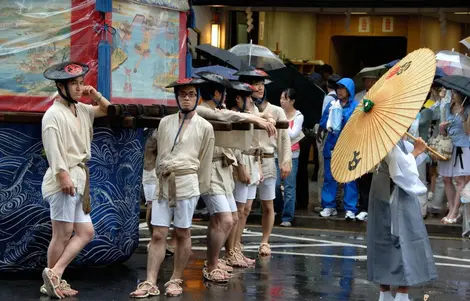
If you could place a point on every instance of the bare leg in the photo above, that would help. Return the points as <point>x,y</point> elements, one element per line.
<point>155,256</point>
<point>450,193</point>
<point>219,227</point>
<point>148,217</point>
<point>433,176</point>
<point>182,252</point>
<point>267,222</point>
<point>61,234</point>
<point>84,233</point>
<point>454,211</point>
<point>242,216</point>
<point>230,243</point>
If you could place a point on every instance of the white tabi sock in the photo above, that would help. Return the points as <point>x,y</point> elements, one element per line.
<point>401,297</point>
<point>386,296</point>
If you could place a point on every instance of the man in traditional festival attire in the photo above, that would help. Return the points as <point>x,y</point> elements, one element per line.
<point>149,183</point>
<point>247,174</point>
<point>185,145</point>
<point>67,132</point>
<point>269,145</point>
<point>219,198</point>
<point>398,249</point>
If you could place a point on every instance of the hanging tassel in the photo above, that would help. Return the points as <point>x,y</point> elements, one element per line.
<point>104,61</point>
<point>104,5</point>
<point>191,22</point>
<point>189,57</point>
<point>104,69</point>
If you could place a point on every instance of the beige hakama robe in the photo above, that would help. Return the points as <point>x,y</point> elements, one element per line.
<point>67,144</point>
<point>270,145</point>
<point>223,159</point>
<point>184,172</point>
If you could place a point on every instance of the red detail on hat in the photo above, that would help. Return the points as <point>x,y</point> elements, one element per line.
<point>73,69</point>
<point>184,80</point>
<point>251,87</point>
<point>261,72</point>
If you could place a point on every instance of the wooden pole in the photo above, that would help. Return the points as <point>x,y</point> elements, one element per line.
<point>431,150</point>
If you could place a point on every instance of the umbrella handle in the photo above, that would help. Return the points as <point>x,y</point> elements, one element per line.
<point>433,151</point>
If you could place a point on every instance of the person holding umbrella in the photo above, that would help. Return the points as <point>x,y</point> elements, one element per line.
<point>281,145</point>
<point>398,248</point>
<point>457,127</point>
<point>345,92</point>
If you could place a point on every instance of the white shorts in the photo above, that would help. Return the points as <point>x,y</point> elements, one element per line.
<point>67,208</point>
<point>182,214</point>
<point>453,168</point>
<point>149,192</point>
<point>244,192</point>
<point>267,189</point>
<point>220,203</point>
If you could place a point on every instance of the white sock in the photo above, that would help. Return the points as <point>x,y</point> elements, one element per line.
<point>386,296</point>
<point>401,297</point>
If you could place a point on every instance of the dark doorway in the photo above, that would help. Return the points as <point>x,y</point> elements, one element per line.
<point>351,54</point>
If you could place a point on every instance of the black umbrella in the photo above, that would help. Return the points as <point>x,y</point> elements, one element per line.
<point>309,99</point>
<point>456,82</point>
<point>221,57</point>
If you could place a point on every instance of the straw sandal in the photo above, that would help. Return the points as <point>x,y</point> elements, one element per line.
<point>176,291</point>
<point>66,289</point>
<point>222,265</point>
<point>49,277</point>
<point>148,288</point>
<point>235,260</point>
<point>264,249</point>
<point>217,275</point>
<point>248,261</point>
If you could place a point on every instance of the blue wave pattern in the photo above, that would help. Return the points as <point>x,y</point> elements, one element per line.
<point>116,175</point>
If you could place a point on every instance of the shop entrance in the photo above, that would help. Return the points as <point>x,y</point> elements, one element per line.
<point>352,53</point>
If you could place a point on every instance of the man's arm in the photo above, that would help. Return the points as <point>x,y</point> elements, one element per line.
<point>284,148</point>
<point>55,149</point>
<point>233,116</point>
<point>205,159</point>
<point>150,152</point>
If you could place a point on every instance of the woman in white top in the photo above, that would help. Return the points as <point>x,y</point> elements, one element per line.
<point>296,120</point>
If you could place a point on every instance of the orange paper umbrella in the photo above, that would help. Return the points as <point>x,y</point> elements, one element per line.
<point>387,111</point>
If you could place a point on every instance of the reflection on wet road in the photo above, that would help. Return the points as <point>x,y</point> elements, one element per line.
<point>305,265</point>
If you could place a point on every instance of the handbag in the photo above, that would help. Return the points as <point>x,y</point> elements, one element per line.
<point>465,194</point>
<point>443,145</point>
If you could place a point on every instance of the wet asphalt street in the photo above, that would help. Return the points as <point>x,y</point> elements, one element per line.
<point>305,265</point>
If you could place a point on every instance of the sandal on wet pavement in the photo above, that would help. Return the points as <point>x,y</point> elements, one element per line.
<point>65,288</point>
<point>148,288</point>
<point>264,249</point>
<point>221,264</point>
<point>49,276</point>
<point>176,291</point>
<point>217,275</point>
<point>235,260</point>
<point>248,261</point>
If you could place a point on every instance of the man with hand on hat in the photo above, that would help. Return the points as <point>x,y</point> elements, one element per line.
<point>67,132</point>
<point>219,198</point>
<point>185,144</point>
<point>269,145</point>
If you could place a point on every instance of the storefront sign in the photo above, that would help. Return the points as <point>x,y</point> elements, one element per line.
<point>364,24</point>
<point>387,24</point>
